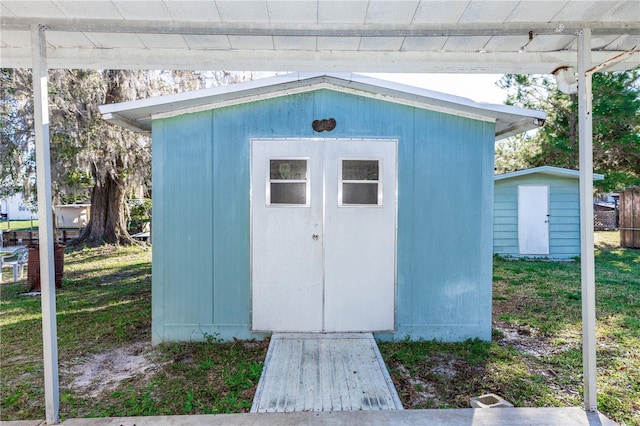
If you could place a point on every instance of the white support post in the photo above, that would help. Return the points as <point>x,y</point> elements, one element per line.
<point>45,216</point>
<point>586,221</point>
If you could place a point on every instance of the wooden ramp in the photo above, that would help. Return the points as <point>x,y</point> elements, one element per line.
<point>324,372</point>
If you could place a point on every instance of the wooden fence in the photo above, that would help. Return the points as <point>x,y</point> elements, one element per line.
<point>12,238</point>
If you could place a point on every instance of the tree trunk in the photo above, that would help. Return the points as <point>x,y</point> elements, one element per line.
<point>107,224</point>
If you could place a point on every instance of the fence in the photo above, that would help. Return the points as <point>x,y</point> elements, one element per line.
<point>10,238</point>
<point>605,220</point>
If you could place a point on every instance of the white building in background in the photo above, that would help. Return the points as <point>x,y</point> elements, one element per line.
<point>14,207</point>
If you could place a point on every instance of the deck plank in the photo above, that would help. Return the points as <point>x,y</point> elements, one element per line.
<point>324,372</point>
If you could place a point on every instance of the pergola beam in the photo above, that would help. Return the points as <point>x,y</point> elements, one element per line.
<point>313,61</point>
<point>599,28</point>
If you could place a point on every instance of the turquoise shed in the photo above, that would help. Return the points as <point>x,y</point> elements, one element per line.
<point>537,213</point>
<point>321,203</point>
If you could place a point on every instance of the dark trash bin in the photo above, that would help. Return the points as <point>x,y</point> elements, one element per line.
<point>33,269</point>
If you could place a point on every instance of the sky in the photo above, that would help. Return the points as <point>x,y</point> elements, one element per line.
<point>478,87</point>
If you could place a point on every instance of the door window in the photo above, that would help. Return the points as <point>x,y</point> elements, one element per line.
<point>288,182</point>
<point>360,183</point>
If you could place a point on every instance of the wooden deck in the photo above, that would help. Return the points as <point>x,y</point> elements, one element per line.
<point>324,372</point>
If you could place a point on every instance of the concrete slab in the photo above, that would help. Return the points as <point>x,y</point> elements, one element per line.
<point>451,417</point>
<point>324,372</point>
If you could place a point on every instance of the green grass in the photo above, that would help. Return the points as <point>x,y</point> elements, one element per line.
<point>534,358</point>
<point>104,306</point>
<point>18,225</point>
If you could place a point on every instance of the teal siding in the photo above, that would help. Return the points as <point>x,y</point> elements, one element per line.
<point>201,184</point>
<point>564,208</point>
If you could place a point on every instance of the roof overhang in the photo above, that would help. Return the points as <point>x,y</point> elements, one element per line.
<point>473,36</point>
<point>546,170</point>
<point>138,115</point>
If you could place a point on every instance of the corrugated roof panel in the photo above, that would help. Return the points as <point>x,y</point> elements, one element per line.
<point>207,42</point>
<point>117,40</point>
<point>135,9</point>
<point>540,11</point>
<point>68,39</point>
<point>586,10</point>
<point>424,43</point>
<point>395,12</point>
<point>89,9</point>
<point>35,8</point>
<point>294,43</point>
<point>488,11</point>
<point>625,42</point>
<point>466,44</point>
<point>303,12</point>
<point>381,43</point>
<point>5,11</point>
<point>550,43</point>
<point>439,12</point>
<point>251,43</point>
<point>624,10</point>
<point>512,43</point>
<point>342,12</point>
<point>16,38</point>
<point>165,41</point>
<point>342,43</point>
<point>186,10</point>
<point>243,11</point>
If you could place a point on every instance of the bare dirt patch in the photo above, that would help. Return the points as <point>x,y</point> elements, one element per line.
<point>105,371</point>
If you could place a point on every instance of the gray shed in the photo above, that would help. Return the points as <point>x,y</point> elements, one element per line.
<point>537,213</point>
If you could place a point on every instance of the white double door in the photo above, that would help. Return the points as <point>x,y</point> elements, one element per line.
<point>323,235</point>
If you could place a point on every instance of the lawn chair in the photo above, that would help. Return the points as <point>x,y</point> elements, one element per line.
<point>17,260</point>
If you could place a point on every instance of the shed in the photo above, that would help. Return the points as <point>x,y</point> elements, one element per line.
<point>311,208</point>
<point>73,215</point>
<point>537,213</point>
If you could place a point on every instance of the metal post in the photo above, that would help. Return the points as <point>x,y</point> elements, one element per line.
<point>45,216</point>
<point>586,220</point>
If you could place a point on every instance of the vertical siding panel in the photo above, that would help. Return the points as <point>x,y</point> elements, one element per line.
<point>230,226</point>
<point>182,191</point>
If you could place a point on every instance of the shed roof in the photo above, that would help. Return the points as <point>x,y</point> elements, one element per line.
<point>521,36</point>
<point>137,115</point>
<point>546,170</point>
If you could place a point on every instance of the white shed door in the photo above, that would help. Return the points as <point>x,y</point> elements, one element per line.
<point>323,235</point>
<point>533,220</point>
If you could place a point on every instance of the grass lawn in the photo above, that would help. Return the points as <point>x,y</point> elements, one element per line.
<point>108,367</point>
<point>18,225</point>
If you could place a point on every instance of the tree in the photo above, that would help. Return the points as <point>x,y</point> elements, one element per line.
<point>16,132</point>
<point>616,127</point>
<point>91,158</point>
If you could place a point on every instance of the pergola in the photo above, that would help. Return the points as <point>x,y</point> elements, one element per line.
<point>419,36</point>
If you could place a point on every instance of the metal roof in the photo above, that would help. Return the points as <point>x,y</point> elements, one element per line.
<point>137,115</point>
<point>547,170</point>
<point>474,36</point>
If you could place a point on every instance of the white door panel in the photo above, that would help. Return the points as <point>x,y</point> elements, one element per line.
<point>286,260</point>
<point>533,220</point>
<point>360,242</point>
<point>327,263</point>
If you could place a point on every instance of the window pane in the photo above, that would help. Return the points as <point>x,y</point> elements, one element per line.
<point>288,193</point>
<point>359,193</point>
<point>360,170</point>
<point>288,169</point>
